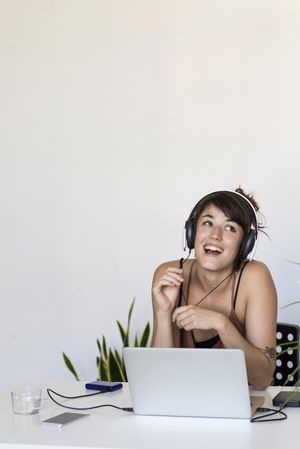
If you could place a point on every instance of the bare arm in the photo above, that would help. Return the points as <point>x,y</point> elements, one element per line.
<point>258,306</point>
<point>165,289</point>
<point>260,323</point>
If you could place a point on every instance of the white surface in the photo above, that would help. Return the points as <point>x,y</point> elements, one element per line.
<point>116,116</point>
<point>109,428</point>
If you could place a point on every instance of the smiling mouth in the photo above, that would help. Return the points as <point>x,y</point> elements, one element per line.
<point>214,250</point>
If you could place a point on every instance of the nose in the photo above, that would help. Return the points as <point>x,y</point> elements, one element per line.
<point>216,233</point>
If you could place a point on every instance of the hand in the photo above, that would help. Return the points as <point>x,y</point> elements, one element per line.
<point>193,317</point>
<point>165,290</point>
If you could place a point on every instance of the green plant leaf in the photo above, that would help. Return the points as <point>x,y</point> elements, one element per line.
<point>126,342</point>
<point>104,349</point>
<point>292,261</point>
<point>136,341</point>
<point>106,366</point>
<point>100,369</point>
<point>295,371</point>
<point>99,346</point>
<point>290,343</point>
<point>131,310</point>
<point>114,372</point>
<point>98,364</point>
<point>289,304</point>
<point>122,332</point>
<point>145,336</point>
<point>120,361</point>
<point>291,346</point>
<point>121,367</point>
<point>103,375</point>
<point>70,366</point>
<point>118,357</point>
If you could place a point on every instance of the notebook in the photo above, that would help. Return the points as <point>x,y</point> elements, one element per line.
<point>189,382</point>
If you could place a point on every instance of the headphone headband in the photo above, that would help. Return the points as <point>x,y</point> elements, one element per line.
<point>196,207</point>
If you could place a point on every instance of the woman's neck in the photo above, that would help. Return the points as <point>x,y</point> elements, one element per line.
<point>211,280</point>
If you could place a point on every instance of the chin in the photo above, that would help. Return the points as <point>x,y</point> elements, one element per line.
<point>214,264</point>
<point>210,264</point>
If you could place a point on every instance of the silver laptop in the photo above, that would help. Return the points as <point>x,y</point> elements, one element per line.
<point>189,382</point>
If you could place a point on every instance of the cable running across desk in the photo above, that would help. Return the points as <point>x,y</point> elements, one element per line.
<point>271,412</point>
<point>49,391</point>
<point>256,419</point>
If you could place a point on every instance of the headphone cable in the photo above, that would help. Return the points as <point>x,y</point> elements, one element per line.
<point>182,295</point>
<point>181,263</point>
<point>215,288</point>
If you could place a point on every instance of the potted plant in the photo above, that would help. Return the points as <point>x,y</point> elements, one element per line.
<point>109,361</point>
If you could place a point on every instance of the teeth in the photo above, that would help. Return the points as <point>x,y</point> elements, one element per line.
<point>213,248</point>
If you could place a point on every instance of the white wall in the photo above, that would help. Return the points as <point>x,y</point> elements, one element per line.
<point>116,117</point>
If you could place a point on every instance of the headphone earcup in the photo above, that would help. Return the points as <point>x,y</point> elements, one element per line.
<point>247,245</point>
<point>190,232</point>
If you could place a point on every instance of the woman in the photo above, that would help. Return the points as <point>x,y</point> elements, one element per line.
<point>219,299</point>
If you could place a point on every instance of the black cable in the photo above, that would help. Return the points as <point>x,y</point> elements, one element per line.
<point>272,411</point>
<point>183,260</point>
<point>181,293</point>
<point>255,419</point>
<point>124,409</point>
<point>75,397</point>
<point>230,274</point>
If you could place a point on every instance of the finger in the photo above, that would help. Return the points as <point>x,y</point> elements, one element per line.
<point>189,326</point>
<point>176,272</point>
<point>178,276</point>
<point>180,310</point>
<point>168,280</point>
<point>171,279</point>
<point>185,323</point>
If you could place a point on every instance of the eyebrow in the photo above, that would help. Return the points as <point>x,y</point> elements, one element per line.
<point>212,216</point>
<point>206,216</point>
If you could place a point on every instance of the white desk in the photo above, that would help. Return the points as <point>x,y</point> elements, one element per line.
<point>108,428</point>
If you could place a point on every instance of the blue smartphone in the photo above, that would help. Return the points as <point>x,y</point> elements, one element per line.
<point>102,385</point>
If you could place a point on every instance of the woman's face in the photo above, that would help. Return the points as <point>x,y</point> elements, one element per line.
<point>218,239</point>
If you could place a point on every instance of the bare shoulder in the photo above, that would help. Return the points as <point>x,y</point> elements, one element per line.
<point>172,264</point>
<point>258,281</point>
<point>258,308</point>
<point>256,267</point>
<point>255,270</point>
<point>164,266</point>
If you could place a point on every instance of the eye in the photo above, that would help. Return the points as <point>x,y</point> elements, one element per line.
<point>230,228</point>
<point>206,223</point>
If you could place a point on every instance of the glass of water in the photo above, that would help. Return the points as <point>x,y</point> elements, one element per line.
<point>26,400</point>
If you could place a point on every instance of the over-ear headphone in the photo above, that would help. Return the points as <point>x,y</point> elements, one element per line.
<point>249,239</point>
